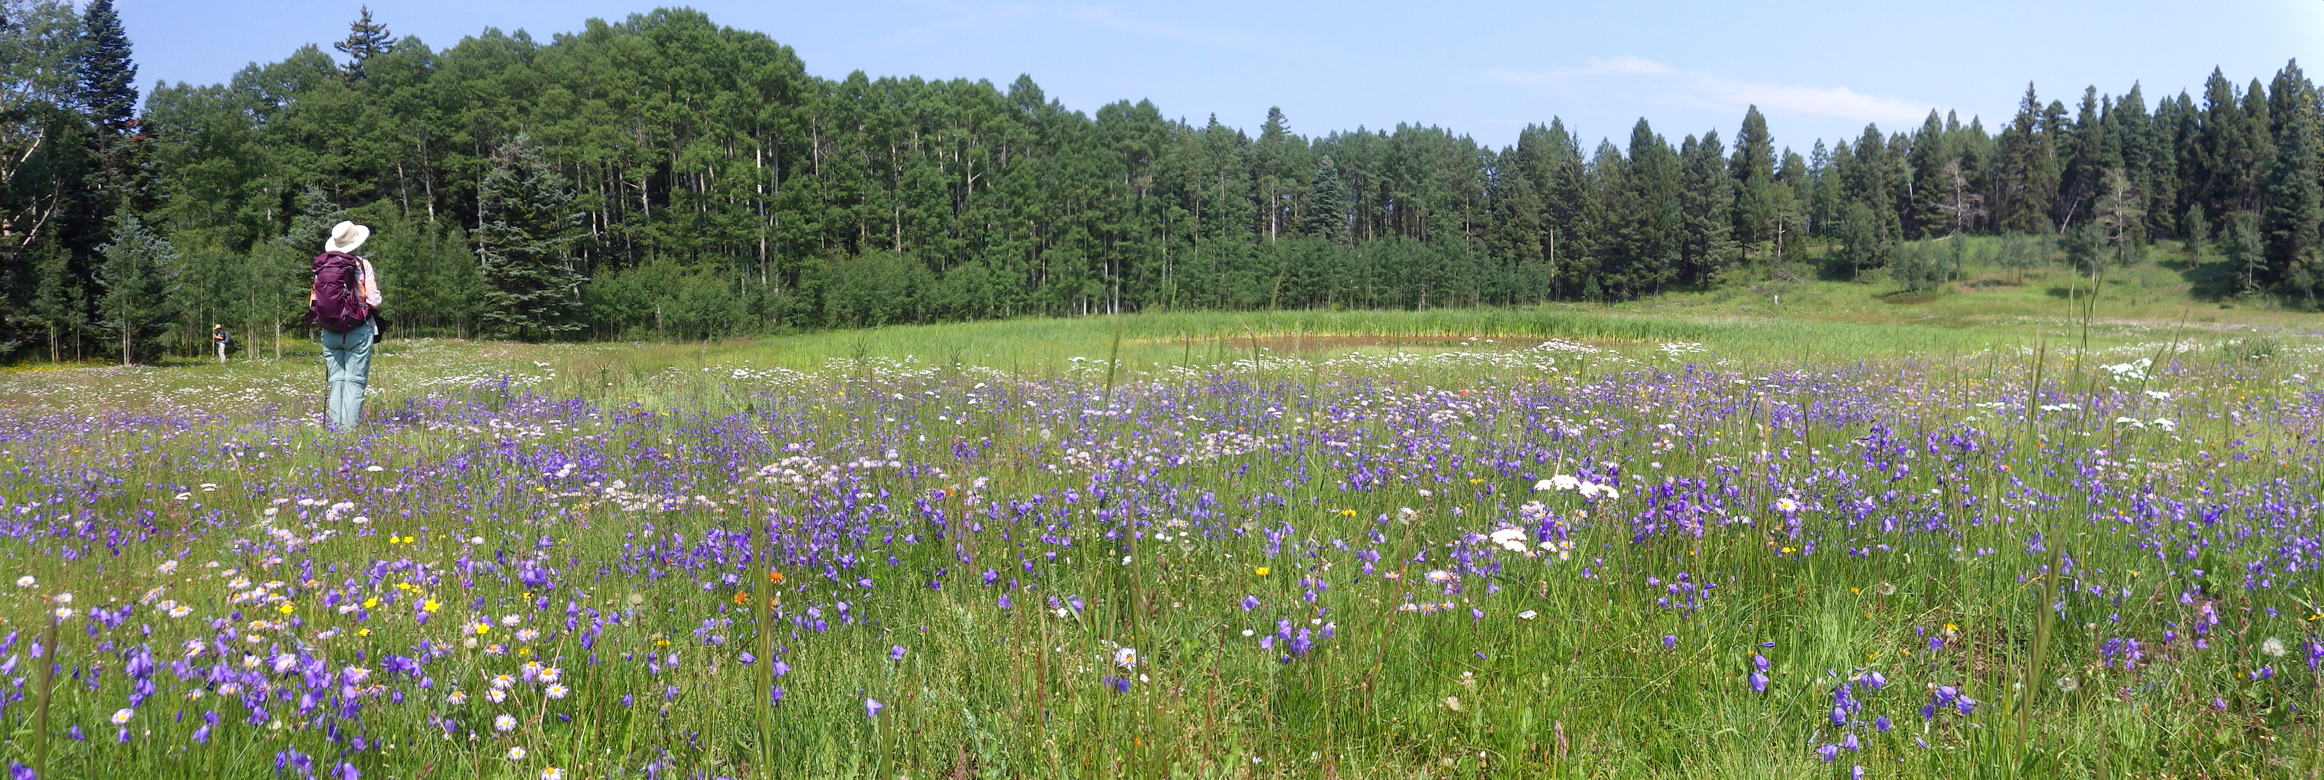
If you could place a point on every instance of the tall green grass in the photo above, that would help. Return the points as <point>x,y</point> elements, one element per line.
<point>1584,688</point>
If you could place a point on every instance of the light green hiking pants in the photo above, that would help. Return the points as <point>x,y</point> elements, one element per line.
<point>347,361</point>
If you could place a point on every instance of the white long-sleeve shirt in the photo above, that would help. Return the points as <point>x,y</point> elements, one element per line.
<point>370,284</point>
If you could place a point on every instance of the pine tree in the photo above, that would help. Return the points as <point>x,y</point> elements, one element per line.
<point>2027,180</point>
<point>1753,169</point>
<point>139,277</point>
<point>1327,204</point>
<point>365,39</point>
<point>2295,202</point>
<point>1871,179</point>
<point>1707,206</point>
<point>2082,161</point>
<point>527,216</point>
<point>1516,235</point>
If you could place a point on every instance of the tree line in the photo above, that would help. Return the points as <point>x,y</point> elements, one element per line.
<point>664,176</point>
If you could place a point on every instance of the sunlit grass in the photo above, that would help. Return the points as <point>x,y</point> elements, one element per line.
<point>1938,477</point>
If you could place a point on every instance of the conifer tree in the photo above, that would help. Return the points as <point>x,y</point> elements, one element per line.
<point>1707,206</point>
<point>108,78</point>
<point>2027,179</point>
<point>2295,202</point>
<point>1327,206</point>
<point>1753,169</point>
<point>526,210</point>
<point>104,172</point>
<point>365,39</point>
<point>140,280</point>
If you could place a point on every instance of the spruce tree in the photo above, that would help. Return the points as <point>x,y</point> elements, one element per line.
<point>526,210</point>
<point>2295,203</point>
<point>1327,204</point>
<point>104,170</point>
<point>2027,179</point>
<point>1707,205</point>
<point>1753,169</point>
<point>365,39</point>
<point>140,281</point>
<point>108,78</point>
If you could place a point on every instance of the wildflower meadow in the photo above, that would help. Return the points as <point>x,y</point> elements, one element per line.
<point>1489,557</point>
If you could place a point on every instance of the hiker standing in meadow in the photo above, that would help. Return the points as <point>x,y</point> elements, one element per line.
<point>345,304</point>
<point>220,338</point>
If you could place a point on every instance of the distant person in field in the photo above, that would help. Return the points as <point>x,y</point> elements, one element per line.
<point>345,304</point>
<point>220,338</point>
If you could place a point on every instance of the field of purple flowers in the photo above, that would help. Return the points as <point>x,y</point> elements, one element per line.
<point>1563,560</point>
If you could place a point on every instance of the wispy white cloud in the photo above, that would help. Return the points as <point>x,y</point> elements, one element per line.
<point>1708,90</point>
<point>1840,102</point>
<point>1624,65</point>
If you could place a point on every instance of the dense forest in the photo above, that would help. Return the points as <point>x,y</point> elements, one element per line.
<point>667,177</point>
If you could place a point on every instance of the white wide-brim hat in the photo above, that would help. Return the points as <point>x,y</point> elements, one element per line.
<point>345,237</point>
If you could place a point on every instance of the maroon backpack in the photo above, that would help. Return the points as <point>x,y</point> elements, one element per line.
<point>338,304</point>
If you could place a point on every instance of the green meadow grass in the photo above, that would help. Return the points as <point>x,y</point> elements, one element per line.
<point>1584,687</point>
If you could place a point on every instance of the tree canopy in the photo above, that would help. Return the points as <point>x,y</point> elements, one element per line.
<point>680,178</point>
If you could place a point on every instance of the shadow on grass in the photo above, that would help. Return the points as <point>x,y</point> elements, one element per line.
<point>2208,278</point>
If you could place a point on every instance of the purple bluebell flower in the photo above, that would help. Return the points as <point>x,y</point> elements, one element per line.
<point>871,707</point>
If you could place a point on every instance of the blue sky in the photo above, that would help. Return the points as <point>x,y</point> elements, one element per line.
<point>1816,69</point>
